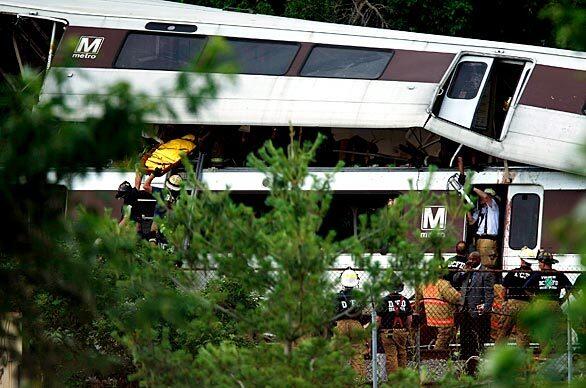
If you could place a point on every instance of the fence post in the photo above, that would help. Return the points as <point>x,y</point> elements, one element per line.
<point>570,351</point>
<point>374,352</point>
<point>418,346</point>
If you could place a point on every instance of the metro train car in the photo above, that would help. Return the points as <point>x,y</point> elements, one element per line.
<point>388,102</point>
<point>529,205</point>
<point>517,103</point>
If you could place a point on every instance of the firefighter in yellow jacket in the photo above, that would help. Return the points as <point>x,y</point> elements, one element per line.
<point>439,301</point>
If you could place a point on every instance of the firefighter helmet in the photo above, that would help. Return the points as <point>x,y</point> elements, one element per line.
<point>349,278</point>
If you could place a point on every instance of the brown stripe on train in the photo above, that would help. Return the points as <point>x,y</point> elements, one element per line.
<point>417,66</point>
<point>111,44</point>
<point>557,204</point>
<point>405,65</point>
<point>549,87</point>
<point>556,88</point>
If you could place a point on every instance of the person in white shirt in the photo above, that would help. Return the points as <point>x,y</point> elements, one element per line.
<point>487,222</point>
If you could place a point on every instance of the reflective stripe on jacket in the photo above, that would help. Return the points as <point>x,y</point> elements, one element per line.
<point>439,301</point>
<point>497,306</point>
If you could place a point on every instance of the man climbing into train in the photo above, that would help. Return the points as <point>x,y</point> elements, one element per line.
<point>486,218</point>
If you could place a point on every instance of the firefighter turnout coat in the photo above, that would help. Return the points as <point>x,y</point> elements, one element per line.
<point>439,301</point>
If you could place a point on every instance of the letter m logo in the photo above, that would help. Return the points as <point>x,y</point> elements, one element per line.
<point>434,217</point>
<point>89,45</point>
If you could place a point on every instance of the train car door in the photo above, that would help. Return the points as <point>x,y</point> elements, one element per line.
<point>523,222</point>
<point>464,90</point>
<point>477,102</point>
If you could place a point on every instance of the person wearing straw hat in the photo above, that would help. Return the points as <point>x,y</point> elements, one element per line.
<point>486,219</point>
<point>517,299</point>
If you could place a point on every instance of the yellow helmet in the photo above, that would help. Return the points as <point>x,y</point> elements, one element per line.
<point>189,137</point>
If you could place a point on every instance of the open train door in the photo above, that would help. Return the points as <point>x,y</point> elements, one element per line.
<point>477,102</point>
<point>464,90</point>
<point>522,223</point>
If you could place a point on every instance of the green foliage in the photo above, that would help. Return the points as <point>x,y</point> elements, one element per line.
<point>536,22</point>
<point>98,305</point>
<point>508,366</point>
<point>50,275</point>
<point>569,19</point>
<point>107,305</point>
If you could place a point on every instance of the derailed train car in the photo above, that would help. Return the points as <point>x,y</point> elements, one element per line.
<point>514,102</point>
<point>382,98</point>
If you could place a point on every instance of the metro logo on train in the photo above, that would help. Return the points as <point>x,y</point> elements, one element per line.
<point>433,217</point>
<point>88,47</point>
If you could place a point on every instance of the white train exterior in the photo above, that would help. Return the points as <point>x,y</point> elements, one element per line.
<point>518,103</point>
<point>515,102</point>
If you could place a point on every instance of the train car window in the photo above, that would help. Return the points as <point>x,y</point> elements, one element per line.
<point>467,81</point>
<point>524,221</point>
<point>261,57</point>
<point>159,52</point>
<point>346,62</point>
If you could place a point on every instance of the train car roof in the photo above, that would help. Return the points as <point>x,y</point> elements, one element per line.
<point>94,13</point>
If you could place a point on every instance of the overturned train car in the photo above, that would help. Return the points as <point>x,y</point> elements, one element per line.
<point>513,102</point>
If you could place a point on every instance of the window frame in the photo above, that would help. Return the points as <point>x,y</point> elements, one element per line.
<point>512,218</point>
<point>456,73</point>
<point>156,33</point>
<point>391,51</point>
<point>287,42</point>
<point>297,46</point>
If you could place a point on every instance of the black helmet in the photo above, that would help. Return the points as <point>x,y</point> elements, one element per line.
<point>396,284</point>
<point>124,189</point>
<point>546,257</point>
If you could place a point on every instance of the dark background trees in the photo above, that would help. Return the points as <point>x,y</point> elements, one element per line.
<point>521,21</point>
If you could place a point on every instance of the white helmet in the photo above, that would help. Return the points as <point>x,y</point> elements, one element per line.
<point>528,255</point>
<point>349,278</point>
<point>174,182</point>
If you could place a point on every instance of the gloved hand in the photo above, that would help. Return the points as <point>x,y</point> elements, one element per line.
<point>462,179</point>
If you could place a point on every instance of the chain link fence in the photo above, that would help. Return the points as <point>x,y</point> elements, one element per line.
<point>454,324</point>
<point>449,333</point>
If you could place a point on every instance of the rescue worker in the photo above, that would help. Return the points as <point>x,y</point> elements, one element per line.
<point>457,262</point>
<point>394,315</point>
<point>142,207</point>
<point>439,301</point>
<point>173,185</point>
<point>158,160</point>
<point>547,284</point>
<point>486,219</point>
<point>517,300</point>
<point>498,305</point>
<point>347,319</point>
